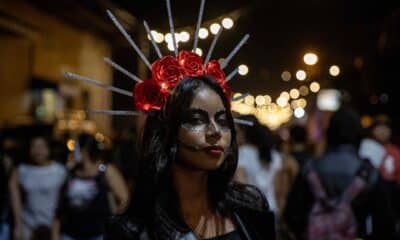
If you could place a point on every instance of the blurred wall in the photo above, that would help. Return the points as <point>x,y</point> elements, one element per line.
<point>14,75</point>
<point>43,46</point>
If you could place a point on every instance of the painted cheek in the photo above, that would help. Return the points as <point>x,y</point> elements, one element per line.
<point>226,138</point>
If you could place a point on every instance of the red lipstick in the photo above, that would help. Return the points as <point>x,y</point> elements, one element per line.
<point>214,151</point>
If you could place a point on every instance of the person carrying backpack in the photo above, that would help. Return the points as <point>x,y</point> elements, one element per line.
<point>340,196</point>
<point>333,218</point>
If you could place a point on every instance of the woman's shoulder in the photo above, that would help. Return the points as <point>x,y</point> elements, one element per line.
<point>245,196</point>
<point>122,227</point>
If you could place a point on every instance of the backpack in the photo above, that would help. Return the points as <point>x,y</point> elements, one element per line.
<point>332,218</point>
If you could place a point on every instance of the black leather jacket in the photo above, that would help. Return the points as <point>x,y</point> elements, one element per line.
<point>249,212</point>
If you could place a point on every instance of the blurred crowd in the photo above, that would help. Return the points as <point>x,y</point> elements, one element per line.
<point>48,191</point>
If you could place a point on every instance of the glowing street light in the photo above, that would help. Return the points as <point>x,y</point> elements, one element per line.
<point>268,99</point>
<point>294,93</point>
<point>227,23</point>
<point>203,33</point>
<point>260,100</point>
<point>334,70</point>
<point>285,95</point>
<point>214,28</point>
<point>243,69</point>
<point>159,38</point>
<point>310,58</point>
<point>199,51</point>
<point>314,87</point>
<point>249,100</point>
<point>168,38</point>
<point>301,75</point>
<point>281,101</point>
<point>299,112</point>
<point>184,36</point>
<point>303,90</point>
<point>286,76</point>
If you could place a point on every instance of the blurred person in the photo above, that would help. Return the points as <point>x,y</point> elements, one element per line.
<point>4,196</point>
<point>85,202</point>
<point>323,183</point>
<point>262,165</point>
<point>34,189</point>
<point>298,145</point>
<point>381,131</point>
<point>188,158</point>
<point>389,168</point>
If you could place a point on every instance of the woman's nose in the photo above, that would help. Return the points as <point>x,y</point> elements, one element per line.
<point>214,130</point>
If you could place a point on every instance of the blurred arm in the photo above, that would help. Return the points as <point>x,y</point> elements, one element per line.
<point>118,187</point>
<point>16,204</point>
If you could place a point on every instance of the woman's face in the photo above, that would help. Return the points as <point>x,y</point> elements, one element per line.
<point>204,135</point>
<point>39,150</point>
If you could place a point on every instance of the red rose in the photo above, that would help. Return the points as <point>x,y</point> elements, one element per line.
<point>167,71</point>
<point>213,69</point>
<point>191,62</point>
<point>148,96</point>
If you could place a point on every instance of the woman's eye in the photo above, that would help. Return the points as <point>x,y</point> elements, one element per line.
<point>196,121</point>
<point>223,121</point>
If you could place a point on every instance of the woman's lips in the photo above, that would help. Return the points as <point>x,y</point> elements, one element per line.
<point>214,151</point>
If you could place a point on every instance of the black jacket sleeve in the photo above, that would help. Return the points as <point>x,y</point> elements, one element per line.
<point>120,228</point>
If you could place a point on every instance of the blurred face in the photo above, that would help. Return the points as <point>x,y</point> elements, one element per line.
<point>382,133</point>
<point>204,135</point>
<point>39,150</point>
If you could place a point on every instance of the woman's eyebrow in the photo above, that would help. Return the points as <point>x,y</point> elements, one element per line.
<point>197,110</point>
<point>204,112</point>
<point>220,112</point>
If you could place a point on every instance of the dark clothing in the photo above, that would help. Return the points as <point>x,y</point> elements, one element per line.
<point>4,193</point>
<point>302,157</point>
<point>84,206</point>
<point>336,170</point>
<point>249,212</point>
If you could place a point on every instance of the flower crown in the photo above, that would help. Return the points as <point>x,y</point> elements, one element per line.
<point>167,71</point>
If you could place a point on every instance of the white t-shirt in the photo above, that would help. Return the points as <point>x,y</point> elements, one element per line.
<point>40,186</point>
<point>257,174</point>
<point>372,150</point>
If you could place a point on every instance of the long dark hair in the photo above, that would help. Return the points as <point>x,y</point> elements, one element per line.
<point>260,136</point>
<point>91,145</point>
<point>157,151</point>
<point>344,128</point>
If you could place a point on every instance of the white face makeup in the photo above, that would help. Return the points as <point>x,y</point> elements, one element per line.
<point>198,120</point>
<point>204,135</point>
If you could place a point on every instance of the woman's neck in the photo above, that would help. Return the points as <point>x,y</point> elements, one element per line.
<point>192,190</point>
<point>196,209</point>
<point>43,163</point>
<point>89,167</point>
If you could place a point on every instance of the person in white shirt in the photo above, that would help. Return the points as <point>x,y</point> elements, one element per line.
<point>36,187</point>
<point>258,162</point>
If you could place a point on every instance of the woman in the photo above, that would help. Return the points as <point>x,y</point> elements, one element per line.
<point>84,202</point>
<point>188,158</point>
<point>262,165</point>
<point>39,181</point>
